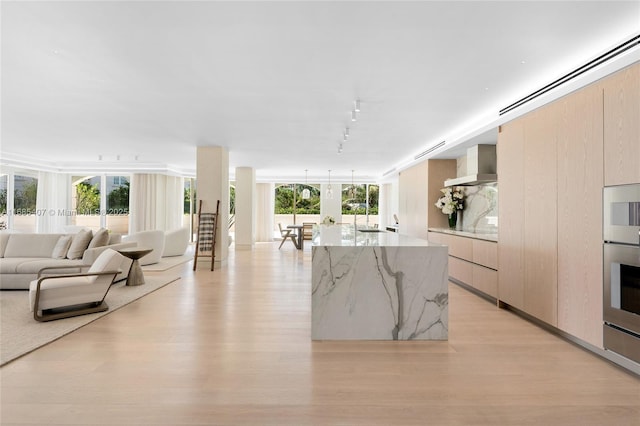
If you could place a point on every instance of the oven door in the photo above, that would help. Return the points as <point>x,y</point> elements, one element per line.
<point>621,214</point>
<point>622,286</point>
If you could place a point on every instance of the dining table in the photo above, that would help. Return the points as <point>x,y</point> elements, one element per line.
<point>300,233</point>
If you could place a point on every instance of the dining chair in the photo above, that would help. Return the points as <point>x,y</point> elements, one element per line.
<point>286,234</point>
<point>308,230</point>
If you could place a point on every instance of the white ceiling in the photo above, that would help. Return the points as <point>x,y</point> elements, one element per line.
<point>274,82</point>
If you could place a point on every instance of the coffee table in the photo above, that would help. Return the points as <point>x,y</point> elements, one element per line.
<point>135,276</point>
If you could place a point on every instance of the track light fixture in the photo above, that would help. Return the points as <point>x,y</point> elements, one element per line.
<point>356,105</point>
<point>353,115</point>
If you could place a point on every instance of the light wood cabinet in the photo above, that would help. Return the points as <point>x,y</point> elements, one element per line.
<point>510,151</point>
<point>540,213</point>
<point>485,253</point>
<point>527,253</point>
<point>471,261</point>
<point>580,181</point>
<point>622,127</point>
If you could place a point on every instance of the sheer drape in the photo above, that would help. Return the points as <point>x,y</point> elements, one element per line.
<point>53,202</point>
<point>155,202</point>
<point>264,211</point>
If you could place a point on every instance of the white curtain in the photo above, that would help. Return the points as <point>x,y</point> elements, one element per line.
<point>155,202</point>
<point>264,211</point>
<point>53,202</point>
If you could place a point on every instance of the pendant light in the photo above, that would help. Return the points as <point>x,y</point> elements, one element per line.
<point>329,193</point>
<point>306,194</point>
<point>353,188</point>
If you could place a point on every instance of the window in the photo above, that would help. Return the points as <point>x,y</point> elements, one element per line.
<point>291,208</point>
<point>24,203</point>
<point>361,200</point>
<point>86,201</point>
<point>4,181</point>
<point>117,209</point>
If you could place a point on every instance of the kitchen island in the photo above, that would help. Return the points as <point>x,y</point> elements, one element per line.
<point>369,284</point>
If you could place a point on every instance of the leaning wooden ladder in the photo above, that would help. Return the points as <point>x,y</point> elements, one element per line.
<point>206,235</point>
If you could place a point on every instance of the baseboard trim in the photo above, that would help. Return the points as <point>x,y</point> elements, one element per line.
<point>617,360</point>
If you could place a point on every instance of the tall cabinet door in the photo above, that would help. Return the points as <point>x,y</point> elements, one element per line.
<point>540,213</point>
<point>510,152</point>
<point>580,180</point>
<point>622,127</point>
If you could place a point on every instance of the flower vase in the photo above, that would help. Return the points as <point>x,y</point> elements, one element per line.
<point>453,219</point>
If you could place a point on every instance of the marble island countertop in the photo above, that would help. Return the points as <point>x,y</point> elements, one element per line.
<point>377,286</point>
<point>346,236</point>
<point>476,235</point>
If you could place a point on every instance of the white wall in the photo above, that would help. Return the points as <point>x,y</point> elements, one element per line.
<point>245,208</point>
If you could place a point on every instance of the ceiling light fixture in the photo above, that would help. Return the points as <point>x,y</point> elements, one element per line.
<point>353,187</point>
<point>356,105</point>
<point>306,194</point>
<point>329,193</point>
<point>353,115</point>
<point>340,148</point>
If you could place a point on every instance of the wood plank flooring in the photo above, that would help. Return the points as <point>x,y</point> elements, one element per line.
<point>233,347</point>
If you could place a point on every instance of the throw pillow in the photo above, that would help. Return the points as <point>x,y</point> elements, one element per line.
<point>79,244</point>
<point>61,248</point>
<point>101,238</point>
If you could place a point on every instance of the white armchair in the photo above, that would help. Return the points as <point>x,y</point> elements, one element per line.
<point>150,239</point>
<point>53,297</point>
<point>176,242</point>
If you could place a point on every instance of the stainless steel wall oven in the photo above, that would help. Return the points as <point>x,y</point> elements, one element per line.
<point>622,270</point>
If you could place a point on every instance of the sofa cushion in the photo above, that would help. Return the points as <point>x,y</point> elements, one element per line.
<point>79,244</point>
<point>100,238</point>
<point>61,248</point>
<point>4,239</point>
<point>33,266</point>
<point>10,265</point>
<point>30,265</point>
<point>31,245</point>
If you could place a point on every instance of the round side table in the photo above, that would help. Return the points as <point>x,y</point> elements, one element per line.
<point>135,276</point>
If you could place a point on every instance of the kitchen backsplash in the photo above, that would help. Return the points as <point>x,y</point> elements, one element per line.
<point>480,212</point>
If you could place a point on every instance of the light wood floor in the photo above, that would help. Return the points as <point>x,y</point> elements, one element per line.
<point>233,347</point>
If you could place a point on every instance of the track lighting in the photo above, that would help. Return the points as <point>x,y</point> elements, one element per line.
<point>353,115</point>
<point>356,105</point>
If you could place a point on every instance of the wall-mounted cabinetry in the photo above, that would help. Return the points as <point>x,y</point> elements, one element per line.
<point>527,216</point>
<point>622,127</point>
<point>471,261</point>
<point>553,164</point>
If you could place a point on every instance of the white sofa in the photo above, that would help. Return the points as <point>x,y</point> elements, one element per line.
<point>23,255</point>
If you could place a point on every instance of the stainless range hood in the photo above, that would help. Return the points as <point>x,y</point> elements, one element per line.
<point>479,167</point>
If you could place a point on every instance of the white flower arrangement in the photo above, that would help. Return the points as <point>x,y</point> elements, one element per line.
<point>328,220</point>
<point>451,201</point>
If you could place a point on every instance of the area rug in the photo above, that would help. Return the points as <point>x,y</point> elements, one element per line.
<point>167,263</point>
<point>21,334</point>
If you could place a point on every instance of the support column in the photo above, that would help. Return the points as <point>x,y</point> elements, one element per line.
<point>212,184</point>
<point>245,208</point>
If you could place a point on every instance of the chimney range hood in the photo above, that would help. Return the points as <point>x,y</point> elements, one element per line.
<point>480,167</point>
